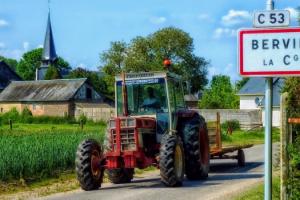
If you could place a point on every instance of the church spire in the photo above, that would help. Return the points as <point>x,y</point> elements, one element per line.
<point>49,53</point>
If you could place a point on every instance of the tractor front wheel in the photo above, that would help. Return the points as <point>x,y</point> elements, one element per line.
<point>121,175</point>
<point>171,160</point>
<point>89,165</point>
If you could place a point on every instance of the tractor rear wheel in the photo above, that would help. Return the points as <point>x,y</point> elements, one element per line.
<point>89,169</point>
<point>171,160</point>
<point>196,146</point>
<point>121,175</point>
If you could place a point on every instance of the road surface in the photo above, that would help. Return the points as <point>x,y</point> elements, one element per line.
<point>224,180</point>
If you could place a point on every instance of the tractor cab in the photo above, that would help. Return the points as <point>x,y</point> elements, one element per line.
<point>158,95</point>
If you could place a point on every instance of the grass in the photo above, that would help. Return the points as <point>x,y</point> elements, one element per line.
<point>240,137</point>
<point>33,152</point>
<point>257,193</point>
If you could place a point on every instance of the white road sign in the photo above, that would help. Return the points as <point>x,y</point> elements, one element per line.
<point>269,52</point>
<point>272,18</point>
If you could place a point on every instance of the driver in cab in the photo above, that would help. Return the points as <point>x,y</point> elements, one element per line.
<point>151,102</point>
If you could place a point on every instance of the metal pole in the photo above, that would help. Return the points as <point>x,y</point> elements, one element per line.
<point>268,129</point>
<point>268,139</point>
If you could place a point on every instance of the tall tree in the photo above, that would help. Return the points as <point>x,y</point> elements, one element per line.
<point>220,94</point>
<point>12,63</point>
<point>31,60</point>
<point>148,53</point>
<point>93,77</point>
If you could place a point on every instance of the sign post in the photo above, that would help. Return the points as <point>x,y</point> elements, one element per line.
<point>268,129</point>
<point>269,50</point>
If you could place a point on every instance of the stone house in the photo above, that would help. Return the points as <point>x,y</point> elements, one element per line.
<point>61,97</point>
<point>252,96</point>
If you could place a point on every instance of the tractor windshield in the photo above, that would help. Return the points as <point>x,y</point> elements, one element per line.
<point>145,96</point>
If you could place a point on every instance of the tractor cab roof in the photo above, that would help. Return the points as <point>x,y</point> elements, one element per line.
<point>148,75</point>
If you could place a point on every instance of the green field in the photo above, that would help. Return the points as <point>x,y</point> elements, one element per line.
<point>34,151</point>
<point>240,137</point>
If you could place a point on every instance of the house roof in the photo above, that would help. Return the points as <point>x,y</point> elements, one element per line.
<point>7,75</point>
<point>43,90</point>
<point>256,86</point>
<point>277,87</point>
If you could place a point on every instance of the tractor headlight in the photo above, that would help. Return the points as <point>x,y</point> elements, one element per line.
<point>131,122</point>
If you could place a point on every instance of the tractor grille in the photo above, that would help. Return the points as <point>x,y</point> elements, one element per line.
<point>127,140</point>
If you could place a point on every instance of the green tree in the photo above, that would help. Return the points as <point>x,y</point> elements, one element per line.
<point>147,54</point>
<point>12,63</point>
<point>220,94</point>
<point>94,78</point>
<point>52,73</point>
<point>31,60</point>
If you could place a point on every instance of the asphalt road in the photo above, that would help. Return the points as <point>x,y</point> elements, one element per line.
<point>224,179</point>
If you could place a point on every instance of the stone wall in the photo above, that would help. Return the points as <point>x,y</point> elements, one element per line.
<point>248,118</point>
<point>94,111</point>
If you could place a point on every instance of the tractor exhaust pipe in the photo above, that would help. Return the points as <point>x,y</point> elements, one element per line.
<point>124,95</point>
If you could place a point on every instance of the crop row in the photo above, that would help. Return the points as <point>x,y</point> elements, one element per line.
<point>40,154</point>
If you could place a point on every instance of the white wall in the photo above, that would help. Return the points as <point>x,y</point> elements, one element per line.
<point>275,117</point>
<point>248,102</point>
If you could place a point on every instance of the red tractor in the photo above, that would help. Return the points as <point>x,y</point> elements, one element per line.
<point>152,127</point>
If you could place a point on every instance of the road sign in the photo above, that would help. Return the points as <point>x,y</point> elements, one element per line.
<point>272,18</point>
<point>269,52</point>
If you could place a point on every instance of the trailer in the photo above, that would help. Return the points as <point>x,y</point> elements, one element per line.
<point>219,151</point>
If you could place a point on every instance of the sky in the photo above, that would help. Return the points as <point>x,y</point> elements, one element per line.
<point>83,29</point>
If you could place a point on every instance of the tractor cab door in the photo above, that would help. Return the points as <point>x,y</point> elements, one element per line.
<point>176,101</point>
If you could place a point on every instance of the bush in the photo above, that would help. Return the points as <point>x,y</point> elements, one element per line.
<point>231,125</point>
<point>13,115</point>
<point>82,118</point>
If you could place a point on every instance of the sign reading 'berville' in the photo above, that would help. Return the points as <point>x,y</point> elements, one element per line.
<point>269,52</point>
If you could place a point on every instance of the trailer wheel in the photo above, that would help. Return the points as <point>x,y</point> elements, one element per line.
<point>196,146</point>
<point>171,161</point>
<point>89,169</point>
<point>121,175</point>
<point>241,158</point>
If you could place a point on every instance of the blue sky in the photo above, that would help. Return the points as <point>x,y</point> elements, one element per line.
<point>84,28</point>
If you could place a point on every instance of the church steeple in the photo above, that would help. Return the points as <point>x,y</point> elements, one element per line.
<point>49,53</point>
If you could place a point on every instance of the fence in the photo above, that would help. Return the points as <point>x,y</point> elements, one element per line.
<point>248,119</point>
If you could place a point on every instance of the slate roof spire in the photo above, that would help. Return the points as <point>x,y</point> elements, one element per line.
<point>49,53</point>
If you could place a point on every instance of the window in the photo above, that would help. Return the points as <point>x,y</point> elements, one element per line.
<point>88,93</point>
<point>145,96</point>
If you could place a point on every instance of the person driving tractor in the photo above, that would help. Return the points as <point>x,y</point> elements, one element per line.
<point>151,103</point>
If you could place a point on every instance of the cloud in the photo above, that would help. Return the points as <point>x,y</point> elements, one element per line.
<point>3,23</point>
<point>294,12</point>
<point>40,46</point>
<point>25,46</point>
<point>224,32</point>
<point>235,17</point>
<point>2,45</point>
<point>158,20</point>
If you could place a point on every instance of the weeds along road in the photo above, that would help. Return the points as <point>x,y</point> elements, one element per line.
<point>224,180</point>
